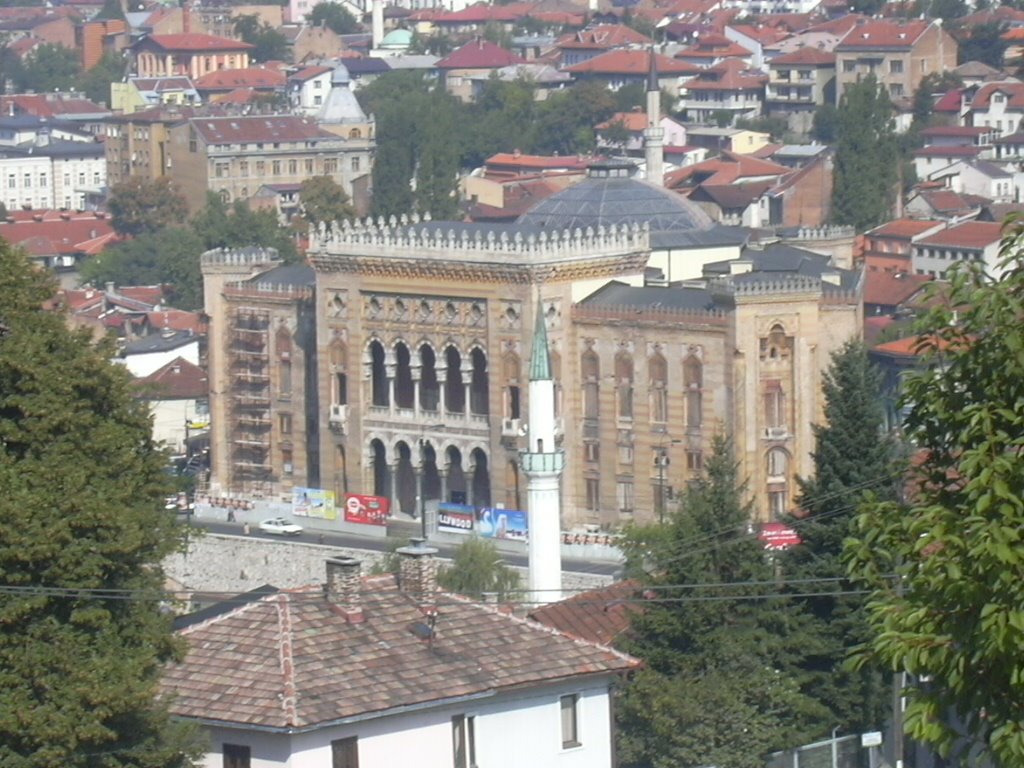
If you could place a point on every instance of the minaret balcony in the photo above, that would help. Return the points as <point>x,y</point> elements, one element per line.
<point>542,462</point>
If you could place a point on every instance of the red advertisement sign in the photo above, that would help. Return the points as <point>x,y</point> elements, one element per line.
<point>778,536</point>
<point>366,510</point>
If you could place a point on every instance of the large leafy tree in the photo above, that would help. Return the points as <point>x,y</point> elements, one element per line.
<point>268,43</point>
<point>323,200</point>
<point>866,156</point>
<point>95,82</point>
<point>237,226</point>
<point>852,458</point>
<point>139,206</point>
<point>82,633</point>
<point>477,570</point>
<point>947,569</point>
<point>721,683</point>
<point>982,42</point>
<point>49,67</point>
<point>437,169</point>
<point>335,16</point>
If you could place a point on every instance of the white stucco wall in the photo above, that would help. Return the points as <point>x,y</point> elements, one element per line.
<point>169,417</point>
<point>143,364</point>
<point>512,731</point>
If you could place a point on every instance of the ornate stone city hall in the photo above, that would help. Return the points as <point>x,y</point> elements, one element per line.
<point>397,363</point>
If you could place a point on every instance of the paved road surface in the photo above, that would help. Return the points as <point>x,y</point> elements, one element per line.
<point>399,530</point>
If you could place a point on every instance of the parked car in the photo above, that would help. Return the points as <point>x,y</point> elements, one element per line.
<point>280,526</point>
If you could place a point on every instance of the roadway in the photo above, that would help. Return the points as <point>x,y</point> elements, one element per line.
<point>397,529</point>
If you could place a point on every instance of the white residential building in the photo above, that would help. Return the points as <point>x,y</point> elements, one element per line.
<point>368,673</point>
<point>59,174</point>
<point>968,241</point>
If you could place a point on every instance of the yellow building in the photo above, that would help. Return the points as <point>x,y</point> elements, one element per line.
<point>397,365</point>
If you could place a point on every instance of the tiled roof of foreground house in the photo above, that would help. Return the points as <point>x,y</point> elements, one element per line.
<point>292,660</point>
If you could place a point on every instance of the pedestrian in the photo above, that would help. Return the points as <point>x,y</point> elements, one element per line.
<point>245,528</point>
<point>231,515</point>
<point>320,538</point>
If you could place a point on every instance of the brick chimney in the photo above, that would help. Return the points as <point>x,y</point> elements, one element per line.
<point>342,589</point>
<point>417,575</point>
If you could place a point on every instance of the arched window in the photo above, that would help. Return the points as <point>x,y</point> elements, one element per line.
<point>624,385</point>
<point>479,400</point>
<point>693,384</point>
<point>590,369</point>
<point>378,374</point>
<point>338,357</point>
<point>777,462</point>
<point>657,372</point>
<point>404,390</point>
<point>776,346</point>
<point>510,369</point>
<point>354,134</point>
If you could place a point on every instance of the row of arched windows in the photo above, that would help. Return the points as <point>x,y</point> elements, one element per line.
<point>657,372</point>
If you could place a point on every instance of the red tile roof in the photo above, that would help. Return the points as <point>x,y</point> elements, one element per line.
<point>839,26</point>
<point>728,75</point>
<point>598,616</point>
<point>602,37</point>
<point>955,131</point>
<point>710,52</point>
<point>229,79</point>
<point>258,128</point>
<point>725,169</point>
<point>177,320</point>
<point>891,289</point>
<point>1014,93</point>
<point>969,234</point>
<point>292,660</point>
<point>178,380</point>
<point>885,34</point>
<point>479,54</point>
<point>807,56</point>
<point>766,35</point>
<point>946,201</point>
<point>903,229</point>
<point>481,13</point>
<point>52,236</point>
<point>196,43</point>
<point>50,105</point>
<point>633,121</point>
<point>947,151</point>
<point>309,73</point>
<point>631,62</point>
<point>950,102</point>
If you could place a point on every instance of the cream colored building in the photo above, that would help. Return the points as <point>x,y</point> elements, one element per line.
<point>397,365</point>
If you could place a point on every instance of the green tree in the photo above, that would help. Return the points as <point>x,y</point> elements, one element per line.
<point>111,10</point>
<point>95,83</point>
<point>169,256</point>
<point>947,10</point>
<point>237,226</point>
<point>82,634</point>
<point>49,67</point>
<point>138,205</point>
<point>931,86</point>
<point>982,42</point>
<point>721,683</point>
<point>269,44</point>
<point>437,168</point>
<point>866,157</point>
<point>947,570</point>
<point>852,458</point>
<point>566,119</point>
<point>335,16</point>
<point>323,200</point>
<point>477,570</point>
<point>825,124</point>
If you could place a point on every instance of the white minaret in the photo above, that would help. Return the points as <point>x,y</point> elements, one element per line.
<point>654,134</point>
<point>542,464</point>
<point>377,23</point>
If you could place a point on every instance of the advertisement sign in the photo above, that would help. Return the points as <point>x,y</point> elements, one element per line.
<point>778,536</point>
<point>313,502</point>
<point>366,510</point>
<point>455,518</point>
<point>502,524</point>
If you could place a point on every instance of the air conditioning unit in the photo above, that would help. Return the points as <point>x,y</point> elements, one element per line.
<point>776,433</point>
<point>339,414</point>
<point>510,427</point>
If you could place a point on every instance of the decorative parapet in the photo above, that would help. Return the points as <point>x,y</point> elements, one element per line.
<point>825,232</point>
<point>773,287</point>
<point>661,315</point>
<point>239,257</point>
<point>269,291</point>
<point>403,239</point>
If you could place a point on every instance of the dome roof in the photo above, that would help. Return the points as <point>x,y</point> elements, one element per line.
<point>609,195</point>
<point>397,38</point>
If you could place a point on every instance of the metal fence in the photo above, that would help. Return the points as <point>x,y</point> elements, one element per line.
<point>842,752</point>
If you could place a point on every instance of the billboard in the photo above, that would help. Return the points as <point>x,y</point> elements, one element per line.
<point>777,536</point>
<point>455,518</point>
<point>366,510</point>
<point>502,524</point>
<point>313,502</point>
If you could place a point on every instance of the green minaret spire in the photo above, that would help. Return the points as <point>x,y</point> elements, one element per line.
<point>540,359</point>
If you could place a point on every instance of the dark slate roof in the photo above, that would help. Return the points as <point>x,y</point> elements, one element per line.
<point>368,65</point>
<point>616,294</point>
<point>292,661</point>
<point>618,200</point>
<point>771,260</point>
<point>298,275</point>
<point>159,342</point>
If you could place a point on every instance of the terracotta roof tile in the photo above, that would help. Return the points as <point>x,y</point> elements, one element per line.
<point>195,42</point>
<point>877,34</point>
<point>479,54</point>
<point>968,234</point>
<point>1013,91</point>
<point>257,128</point>
<point>632,62</point>
<point>903,228</point>
<point>290,661</point>
<point>808,56</point>
<point>177,380</point>
<point>602,37</point>
<point>891,288</point>
<point>599,616</point>
<point>251,77</point>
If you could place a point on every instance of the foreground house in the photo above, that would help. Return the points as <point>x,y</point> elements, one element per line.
<point>387,671</point>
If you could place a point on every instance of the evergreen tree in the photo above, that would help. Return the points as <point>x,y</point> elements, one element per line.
<point>852,459</point>
<point>721,684</point>
<point>82,633</point>
<point>437,168</point>
<point>866,156</point>
<point>335,16</point>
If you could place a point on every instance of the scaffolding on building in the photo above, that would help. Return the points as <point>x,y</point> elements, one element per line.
<point>249,401</point>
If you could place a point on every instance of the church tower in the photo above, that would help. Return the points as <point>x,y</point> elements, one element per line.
<point>542,463</point>
<point>654,134</point>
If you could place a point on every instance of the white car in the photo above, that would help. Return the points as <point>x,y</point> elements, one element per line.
<point>280,526</point>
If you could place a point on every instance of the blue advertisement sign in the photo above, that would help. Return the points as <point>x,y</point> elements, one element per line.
<point>455,518</point>
<point>509,524</point>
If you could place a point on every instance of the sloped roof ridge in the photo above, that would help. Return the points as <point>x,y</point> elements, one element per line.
<point>237,611</point>
<point>289,699</point>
